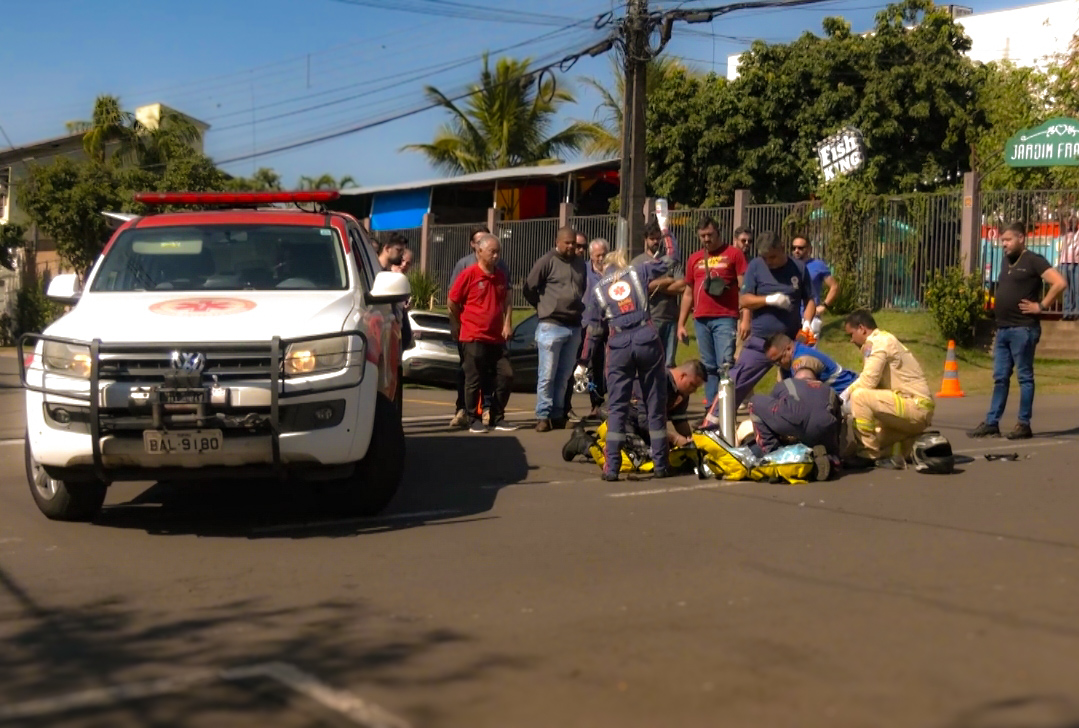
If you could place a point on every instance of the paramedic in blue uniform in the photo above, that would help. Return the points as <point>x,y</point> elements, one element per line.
<point>617,310</point>
<point>799,409</point>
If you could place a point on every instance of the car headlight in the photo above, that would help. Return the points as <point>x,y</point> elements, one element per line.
<point>71,359</point>
<point>313,357</point>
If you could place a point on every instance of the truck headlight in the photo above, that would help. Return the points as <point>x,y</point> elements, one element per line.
<point>313,357</point>
<point>71,359</point>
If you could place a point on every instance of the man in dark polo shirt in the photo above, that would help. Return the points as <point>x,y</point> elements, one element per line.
<point>1019,304</point>
<point>664,302</point>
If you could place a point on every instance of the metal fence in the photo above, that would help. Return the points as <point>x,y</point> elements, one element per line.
<point>1050,218</point>
<point>899,242</point>
<point>523,242</point>
<point>597,226</point>
<point>446,245</point>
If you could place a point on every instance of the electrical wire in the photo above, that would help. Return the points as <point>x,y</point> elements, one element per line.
<point>461,10</point>
<point>531,73</point>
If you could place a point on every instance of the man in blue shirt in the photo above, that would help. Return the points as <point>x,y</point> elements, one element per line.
<point>820,277</point>
<point>791,356</point>
<point>774,289</point>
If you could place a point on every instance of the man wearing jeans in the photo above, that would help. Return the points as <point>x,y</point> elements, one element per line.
<point>713,277</point>
<point>663,301</point>
<point>555,287</point>
<point>1019,303</point>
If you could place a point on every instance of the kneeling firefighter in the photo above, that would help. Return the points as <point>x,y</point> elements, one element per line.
<point>682,382</point>
<point>617,312</point>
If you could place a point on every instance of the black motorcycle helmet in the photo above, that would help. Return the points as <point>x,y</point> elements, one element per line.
<point>932,453</point>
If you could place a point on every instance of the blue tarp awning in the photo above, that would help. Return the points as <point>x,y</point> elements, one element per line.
<point>401,209</point>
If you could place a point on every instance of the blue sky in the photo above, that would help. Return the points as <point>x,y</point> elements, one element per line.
<point>237,63</point>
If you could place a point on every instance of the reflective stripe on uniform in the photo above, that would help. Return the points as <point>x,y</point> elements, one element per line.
<point>615,437</point>
<point>789,383</point>
<point>864,425</point>
<point>657,435</point>
<point>642,292</point>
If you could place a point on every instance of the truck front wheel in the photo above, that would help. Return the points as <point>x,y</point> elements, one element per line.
<point>60,500</point>
<point>378,476</point>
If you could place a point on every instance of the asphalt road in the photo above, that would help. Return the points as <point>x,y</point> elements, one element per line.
<point>507,588</point>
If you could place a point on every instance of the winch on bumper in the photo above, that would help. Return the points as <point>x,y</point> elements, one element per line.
<point>295,408</point>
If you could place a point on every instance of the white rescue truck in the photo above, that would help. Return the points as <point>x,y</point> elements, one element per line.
<point>245,342</point>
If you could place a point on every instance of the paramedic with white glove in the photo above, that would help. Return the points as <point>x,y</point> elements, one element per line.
<point>774,290</point>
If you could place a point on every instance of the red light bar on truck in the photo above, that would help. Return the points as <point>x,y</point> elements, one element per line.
<point>234,198</point>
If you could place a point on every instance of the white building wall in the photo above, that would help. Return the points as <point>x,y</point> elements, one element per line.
<point>1032,35</point>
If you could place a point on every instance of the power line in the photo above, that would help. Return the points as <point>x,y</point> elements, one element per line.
<point>532,75</point>
<point>423,72</point>
<point>461,10</point>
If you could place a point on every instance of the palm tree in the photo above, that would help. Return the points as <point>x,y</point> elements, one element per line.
<point>326,182</point>
<point>505,122</point>
<point>606,133</point>
<point>173,137</point>
<point>109,123</point>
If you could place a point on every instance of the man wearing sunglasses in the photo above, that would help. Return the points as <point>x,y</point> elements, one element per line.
<point>820,277</point>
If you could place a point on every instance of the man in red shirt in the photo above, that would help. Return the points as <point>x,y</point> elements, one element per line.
<point>713,279</point>
<point>480,310</point>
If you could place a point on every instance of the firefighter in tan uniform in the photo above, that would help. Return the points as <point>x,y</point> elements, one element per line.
<point>890,402</point>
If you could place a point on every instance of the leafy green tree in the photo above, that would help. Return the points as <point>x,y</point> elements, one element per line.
<point>907,85</point>
<point>505,122</point>
<point>66,199</point>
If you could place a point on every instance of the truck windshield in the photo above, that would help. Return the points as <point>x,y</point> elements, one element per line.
<point>223,258</point>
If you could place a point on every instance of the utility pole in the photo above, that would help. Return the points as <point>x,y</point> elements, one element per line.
<point>633,37</point>
<point>632,173</point>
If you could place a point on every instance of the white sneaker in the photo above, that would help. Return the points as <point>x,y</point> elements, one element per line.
<point>486,417</point>
<point>460,419</point>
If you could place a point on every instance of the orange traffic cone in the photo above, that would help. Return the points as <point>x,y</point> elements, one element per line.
<point>950,386</point>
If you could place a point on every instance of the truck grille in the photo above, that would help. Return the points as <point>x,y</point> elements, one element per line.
<point>225,365</point>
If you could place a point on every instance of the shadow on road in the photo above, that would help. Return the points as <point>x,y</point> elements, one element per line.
<point>50,651</point>
<point>447,477</point>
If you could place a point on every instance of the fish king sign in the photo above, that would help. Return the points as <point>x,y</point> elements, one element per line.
<point>842,153</point>
<point>1053,144</point>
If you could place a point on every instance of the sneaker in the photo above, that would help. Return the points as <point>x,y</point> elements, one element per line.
<point>1021,432</point>
<point>486,417</point>
<point>502,426</point>
<point>610,477</point>
<point>477,427</point>
<point>661,473</point>
<point>892,463</point>
<point>460,419</point>
<point>571,415</point>
<point>985,430</point>
<point>543,425</point>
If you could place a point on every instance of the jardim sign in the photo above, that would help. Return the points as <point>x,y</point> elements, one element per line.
<point>1053,144</point>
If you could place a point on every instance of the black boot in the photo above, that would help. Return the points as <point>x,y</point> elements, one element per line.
<point>578,444</point>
